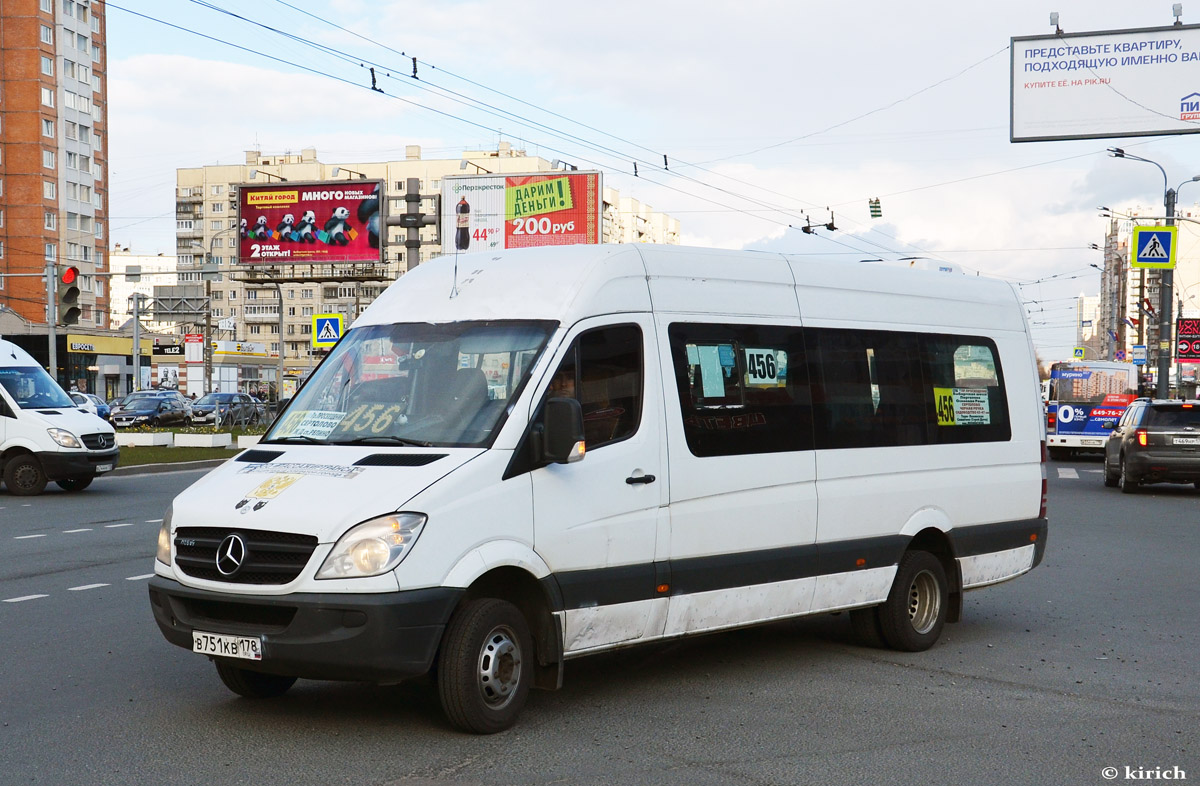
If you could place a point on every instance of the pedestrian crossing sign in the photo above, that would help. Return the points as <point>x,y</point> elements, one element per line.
<point>1153,247</point>
<point>326,329</point>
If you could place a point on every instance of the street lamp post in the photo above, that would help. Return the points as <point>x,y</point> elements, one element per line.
<point>208,354</point>
<point>1166,282</point>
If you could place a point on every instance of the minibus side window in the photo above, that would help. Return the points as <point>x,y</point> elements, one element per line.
<point>869,390</point>
<point>742,388</point>
<point>603,371</point>
<point>964,375</point>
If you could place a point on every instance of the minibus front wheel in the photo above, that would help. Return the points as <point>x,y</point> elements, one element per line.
<point>24,476</point>
<point>912,617</point>
<point>485,666</point>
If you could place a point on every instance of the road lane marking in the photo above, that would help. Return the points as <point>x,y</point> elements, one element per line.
<point>27,537</point>
<point>143,577</point>
<point>85,587</point>
<point>154,521</point>
<point>1068,473</point>
<point>24,597</point>
<point>73,531</point>
<point>115,526</point>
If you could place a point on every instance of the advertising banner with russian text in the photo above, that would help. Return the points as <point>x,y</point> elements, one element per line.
<point>322,223</point>
<point>493,212</point>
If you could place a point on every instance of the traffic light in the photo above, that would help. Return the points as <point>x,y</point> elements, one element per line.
<point>68,296</point>
<point>876,208</point>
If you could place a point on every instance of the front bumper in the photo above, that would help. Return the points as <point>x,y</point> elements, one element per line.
<point>323,636</point>
<point>60,466</point>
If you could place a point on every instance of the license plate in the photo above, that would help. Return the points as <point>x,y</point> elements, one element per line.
<point>1187,440</point>
<point>1093,442</point>
<point>104,467</point>
<point>221,645</point>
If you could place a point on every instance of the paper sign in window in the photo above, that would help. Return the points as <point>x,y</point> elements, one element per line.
<point>962,406</point>
<point>712,376</point>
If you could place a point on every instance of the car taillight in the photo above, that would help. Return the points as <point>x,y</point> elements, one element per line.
<point>1045,483</point>
<point>1142,437</point>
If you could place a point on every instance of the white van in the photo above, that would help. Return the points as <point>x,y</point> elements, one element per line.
<point>43,436</point>
<point>519,458</point>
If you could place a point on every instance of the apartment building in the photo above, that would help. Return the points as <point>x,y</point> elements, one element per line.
<point>249,304</point>
<point>53,157</point>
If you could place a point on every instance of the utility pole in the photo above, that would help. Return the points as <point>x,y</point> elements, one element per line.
<point>137,341</point>
<point>52,318</point>
<point>1164,312</point>
<point>208,388</point>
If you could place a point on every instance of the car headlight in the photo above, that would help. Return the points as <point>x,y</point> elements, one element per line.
<point>64,438</point>
<point>373,547</point>
<point>163,553</point>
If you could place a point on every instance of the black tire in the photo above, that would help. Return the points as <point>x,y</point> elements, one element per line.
<point>24,477</point>
<point>252,684</point>
<point>1128,483</point>
<point>865,624</point>
<point>187,422</point>
<point>153,423</point>
<point>485,666</point>
<point>913,616</point>
<point>1111,479</point>
<point>74,484</point>
<point>1060,454</point>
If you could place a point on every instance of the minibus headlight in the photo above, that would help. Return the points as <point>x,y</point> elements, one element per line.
<point>163,553</point>
<point>373,547</point>
<point>64,438</point>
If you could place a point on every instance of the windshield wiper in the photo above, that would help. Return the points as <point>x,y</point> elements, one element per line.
<point>294,438</point>
<point>385,438</point>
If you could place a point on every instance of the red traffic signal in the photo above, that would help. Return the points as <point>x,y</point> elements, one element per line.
<point>68,296</point>
<point>69,275</point>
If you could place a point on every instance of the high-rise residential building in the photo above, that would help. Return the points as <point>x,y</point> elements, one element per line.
<point>53,154</point>
<point>156,270</point>
<point>246,302</point>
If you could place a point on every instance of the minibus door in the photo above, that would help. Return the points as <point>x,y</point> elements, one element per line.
<point>596,520</point>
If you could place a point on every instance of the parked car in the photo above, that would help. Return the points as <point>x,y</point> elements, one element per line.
<point>130,401</point>
<point>91,403</point>
<point>231,407</point>
<point>1156,441</point>
<point>151,411</point>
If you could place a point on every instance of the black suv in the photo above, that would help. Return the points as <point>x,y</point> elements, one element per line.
<point>1155,441</point>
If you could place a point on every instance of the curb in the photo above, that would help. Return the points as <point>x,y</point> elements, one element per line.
<point>154,469</point>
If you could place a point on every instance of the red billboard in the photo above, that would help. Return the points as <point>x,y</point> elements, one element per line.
<point>1187,342</point>
<point>491,212</point>
<point>310,223</point>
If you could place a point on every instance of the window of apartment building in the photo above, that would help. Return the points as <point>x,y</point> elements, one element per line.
<point>214,225</point>
<point>217,190</point>
<point>47,6</point>
<point>85,223</point>
<point>85,163</point>
<point>72,131</point>
<point>83,43</point>
<point>48,160</point>
<point>218,260</point>
<point>69,69</point>
<point>95,107</point>
<point>291,330</point>
<point>86,283</point>
<point>307,294</point>
<point>291,311</point>
<point>345,291</point>
<point>251,294</point>
<point>216,207</point>
<point>217,294</point>
<point>48,96</point>
<point>95,23</point>
<point>81,12</point>
<point>306,329</point>
<point>85,75</point>
<point>1,219</point>
<point>51,252</point>
<point>306,311</point>
<point>330,293</point>
<point>99,287</point>
<point>184,225</point>
<point>50,220</point>
<point>85,134</point>
<point>72,252</point>
<point>47,65</point>
<point>71,101</point>
<point>99,230</point>
<point>68,8</point>
<point>47,35</point>
<point>49,189</point>
<point>85,193</point>
<point>255,330</point>
<point>72,191</point>
<point>47,127</point>
<point>1,257</point>
<point>233,294</point>
<point>85,312</point>
<point>274,346</point>
<point>233,311</point>
<point>95,83</point>
<point>274,331</point>
<point>72,160</point>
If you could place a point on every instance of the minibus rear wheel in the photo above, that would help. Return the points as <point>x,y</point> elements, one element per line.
<point>485,666</point>
<point>252,684</point>
<point>912,617</point>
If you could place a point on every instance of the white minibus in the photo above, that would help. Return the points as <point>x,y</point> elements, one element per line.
<point>518,458</point>
<point>44,436</point>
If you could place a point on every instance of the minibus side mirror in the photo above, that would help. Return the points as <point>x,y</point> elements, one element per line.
<point>562,431</point>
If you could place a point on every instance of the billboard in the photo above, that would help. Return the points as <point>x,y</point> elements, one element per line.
<point>318,223</point>
<point>492,212</point>
<point>1105,84</point>
<point>1187,341</point>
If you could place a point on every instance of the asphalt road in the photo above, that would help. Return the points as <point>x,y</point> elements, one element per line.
<point>1086,663</point>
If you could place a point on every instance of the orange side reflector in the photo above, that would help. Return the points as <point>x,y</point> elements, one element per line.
<point>663,588</point>
<point>1033,537</point>
<point>860,562</point>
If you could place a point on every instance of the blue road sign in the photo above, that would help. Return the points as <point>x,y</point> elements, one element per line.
<point>1153,247</point>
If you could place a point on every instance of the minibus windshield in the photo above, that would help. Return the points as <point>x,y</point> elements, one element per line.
<point>32,388</point>
<point>415,384</point>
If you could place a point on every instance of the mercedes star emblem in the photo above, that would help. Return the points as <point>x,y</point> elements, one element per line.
<point>231,554</point>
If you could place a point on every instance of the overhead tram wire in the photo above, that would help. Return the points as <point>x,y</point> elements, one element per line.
<point>481,126</point>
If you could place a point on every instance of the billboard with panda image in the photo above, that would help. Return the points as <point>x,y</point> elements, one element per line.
<point>317,223</point>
